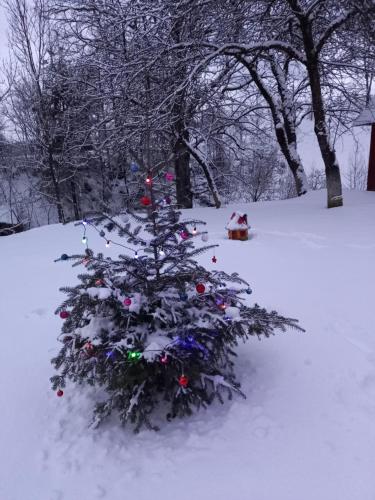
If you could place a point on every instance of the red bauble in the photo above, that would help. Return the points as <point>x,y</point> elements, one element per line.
<point>145,200</point>
<point>64,314</point>
<point>127,302</point>
<point>99,282</point>
<point>214,259</point>
<point>60,393</point>
<point>169,176</point>
<point>183,381</point>
<point>200,288</point>
<point>184,235</point>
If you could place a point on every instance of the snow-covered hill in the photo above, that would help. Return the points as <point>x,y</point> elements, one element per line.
<point>306,430</point>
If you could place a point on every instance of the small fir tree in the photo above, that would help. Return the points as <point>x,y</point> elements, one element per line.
<point>156,330</point>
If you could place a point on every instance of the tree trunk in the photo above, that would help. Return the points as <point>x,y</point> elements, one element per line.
<point>284,129</point>
<point>182,170</point>
<point>334,187</point>
<point>292,158</point>
<point>56,186</point>
<point>75,200</point>
<point>207,172</point>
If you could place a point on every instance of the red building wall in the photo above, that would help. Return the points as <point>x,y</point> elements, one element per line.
<point>371,163</point>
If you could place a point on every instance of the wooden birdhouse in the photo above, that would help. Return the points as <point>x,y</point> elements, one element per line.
<point>238,228</point>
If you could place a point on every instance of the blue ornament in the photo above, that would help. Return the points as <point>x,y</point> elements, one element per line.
<point>134,167</point>
<point>183,296</point>
<point>64,256</point>
<point>249,291</point>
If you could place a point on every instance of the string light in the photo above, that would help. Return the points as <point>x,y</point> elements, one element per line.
<point>107,244</point>
<point>148,180</point>
<point>161,252</point>
<point>194,230</point>
<point>134,355</point>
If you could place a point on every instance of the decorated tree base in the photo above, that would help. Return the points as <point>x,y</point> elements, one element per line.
<point>152,327</point>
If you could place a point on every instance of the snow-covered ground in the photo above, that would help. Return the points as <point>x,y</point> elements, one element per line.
<point>306,430</point>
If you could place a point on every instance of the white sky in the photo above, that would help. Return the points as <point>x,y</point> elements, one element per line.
<point>3,33</point>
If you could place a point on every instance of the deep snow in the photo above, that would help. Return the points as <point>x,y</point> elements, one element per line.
<point>306,430</point>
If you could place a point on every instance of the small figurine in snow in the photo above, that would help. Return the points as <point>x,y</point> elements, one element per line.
<point>238,228</point>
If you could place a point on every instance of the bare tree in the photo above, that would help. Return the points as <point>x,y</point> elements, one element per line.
<point>356,174</point>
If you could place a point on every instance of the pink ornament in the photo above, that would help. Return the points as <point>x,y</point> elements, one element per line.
<point>127,302</point>
<point>88,346</point>
<point>169,176</point>
<point>184,235</point>
<point>64,314</point>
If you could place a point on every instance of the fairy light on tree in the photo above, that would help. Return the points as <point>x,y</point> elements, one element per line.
<point>162,327</point>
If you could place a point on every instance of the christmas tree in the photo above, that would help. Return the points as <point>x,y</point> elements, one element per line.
<point>152,327</point>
